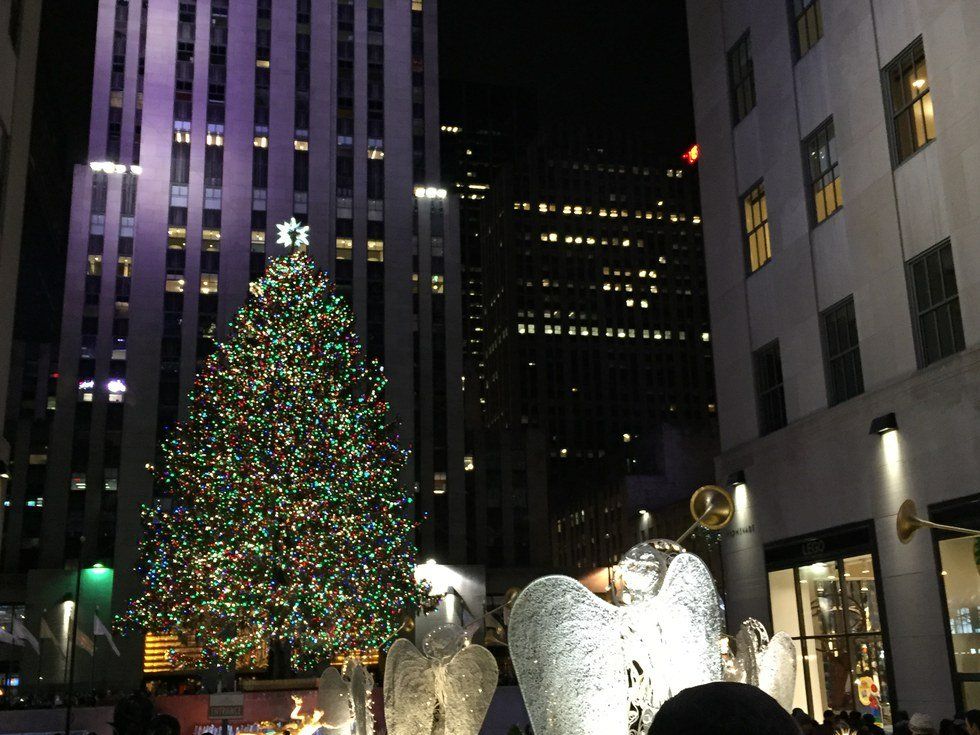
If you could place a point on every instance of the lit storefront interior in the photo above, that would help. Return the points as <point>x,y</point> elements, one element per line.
<point>830,604</point>
<point>959,560</point>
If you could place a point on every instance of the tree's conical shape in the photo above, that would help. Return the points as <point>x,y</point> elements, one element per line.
<point>285,519</point>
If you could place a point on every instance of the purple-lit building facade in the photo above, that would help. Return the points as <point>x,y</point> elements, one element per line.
<point>211,122</point>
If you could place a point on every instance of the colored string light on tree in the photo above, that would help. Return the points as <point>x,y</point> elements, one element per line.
<point>284,517</point>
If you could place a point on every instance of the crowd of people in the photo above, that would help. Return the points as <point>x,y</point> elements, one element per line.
<point>848,723</point>
<point>93,698</point>
<point>739,709</point>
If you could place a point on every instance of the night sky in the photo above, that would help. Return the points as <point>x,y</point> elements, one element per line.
<point>619,62</point>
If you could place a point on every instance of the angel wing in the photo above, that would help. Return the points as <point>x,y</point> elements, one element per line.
<point>409,690</point>
<point>750,641</point>
<point>690,627</point>
<point>333,699</point>
<point>469,684</point>
<point>567,648</point>
<point>777,669</point>
<point>361,685</point>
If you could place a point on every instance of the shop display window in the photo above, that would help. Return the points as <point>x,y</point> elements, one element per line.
<point>830,608</point>
<point>960,560</point>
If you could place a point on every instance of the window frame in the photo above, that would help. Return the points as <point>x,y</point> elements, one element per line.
<point>891,116</point>
<point>918,312</point>
<point>810,181</point>
<point>746,248</point>
<point>764,427</point>
<point>828,358</point>
<point>795,18</point>
<point>744,41</point>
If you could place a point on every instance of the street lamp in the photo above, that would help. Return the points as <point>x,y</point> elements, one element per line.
<point>73,642</point>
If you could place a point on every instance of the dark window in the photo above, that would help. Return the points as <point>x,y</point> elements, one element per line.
<point>756,222</point>
<point>844,377</point>
<point>213,166</point>
<point>741,78</point>
<point>936,304</point>
<point>808,25</point>
<point>301,171</point>
<point>128,205</point>
<point>909,102</point>
<point>820,151</point>
<point>14,21</point>
<point>769,388</point>
<point>180,166</point>
<point>100,191</point>
<point>260,167</point>
<point>345,176</point>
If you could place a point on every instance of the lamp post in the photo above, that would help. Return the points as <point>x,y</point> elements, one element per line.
<point>70,658</point>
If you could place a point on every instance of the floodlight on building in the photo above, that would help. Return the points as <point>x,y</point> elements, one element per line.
<point>884,424</point>
<point>736,478</point>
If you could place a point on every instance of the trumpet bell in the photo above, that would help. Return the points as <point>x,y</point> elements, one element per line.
<point>712,506</point>
<point>907,522</point>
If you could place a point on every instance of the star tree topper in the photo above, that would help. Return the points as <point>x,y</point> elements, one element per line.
<point>293,234</point>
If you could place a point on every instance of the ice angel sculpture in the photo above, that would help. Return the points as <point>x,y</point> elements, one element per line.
<point>344,700</point>
<point>444,690</point>
<point>769,664</point>
<point>586,666</point>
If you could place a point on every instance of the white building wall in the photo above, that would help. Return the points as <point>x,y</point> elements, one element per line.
<point>824,470</point>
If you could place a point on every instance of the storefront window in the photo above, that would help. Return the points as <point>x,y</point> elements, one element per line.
<point>960,559</point>
<point>830,608</point>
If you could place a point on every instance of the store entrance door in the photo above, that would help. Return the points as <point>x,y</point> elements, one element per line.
<point>823,591</point>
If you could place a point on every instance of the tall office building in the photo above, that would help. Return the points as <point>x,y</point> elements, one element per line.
<point>211,122</point>
<point>484,127</point>
<point>19,30</point>
<point>596,316</point>
<point>840,200</point>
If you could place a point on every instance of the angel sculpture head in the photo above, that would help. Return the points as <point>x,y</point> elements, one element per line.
<point>446,690</point>
<point>643,569</point>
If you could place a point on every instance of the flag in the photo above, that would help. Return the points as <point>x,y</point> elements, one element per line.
<point>22,634</point>
<point>47,633</point>
<point>85,643</point>
<point>6,637</point>
<point>100,629</point>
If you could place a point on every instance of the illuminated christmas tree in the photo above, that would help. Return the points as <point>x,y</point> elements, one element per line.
<point>285,521</point>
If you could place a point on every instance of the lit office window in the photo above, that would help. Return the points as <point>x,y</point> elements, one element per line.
<point>909,102</point>
<point>439,483</point>
<point>741,78</point>
<point>756,214</point>
<point>808,25</point>
<point>844,376</point>
<point>769,388</point>
<point>821,160</point>
<point>376,250</point>
<point>209,283</point>
<point>936,304</point>
<point>345,248</point>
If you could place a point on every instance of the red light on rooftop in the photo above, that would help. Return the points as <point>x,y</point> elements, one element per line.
<point>692,154</point>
